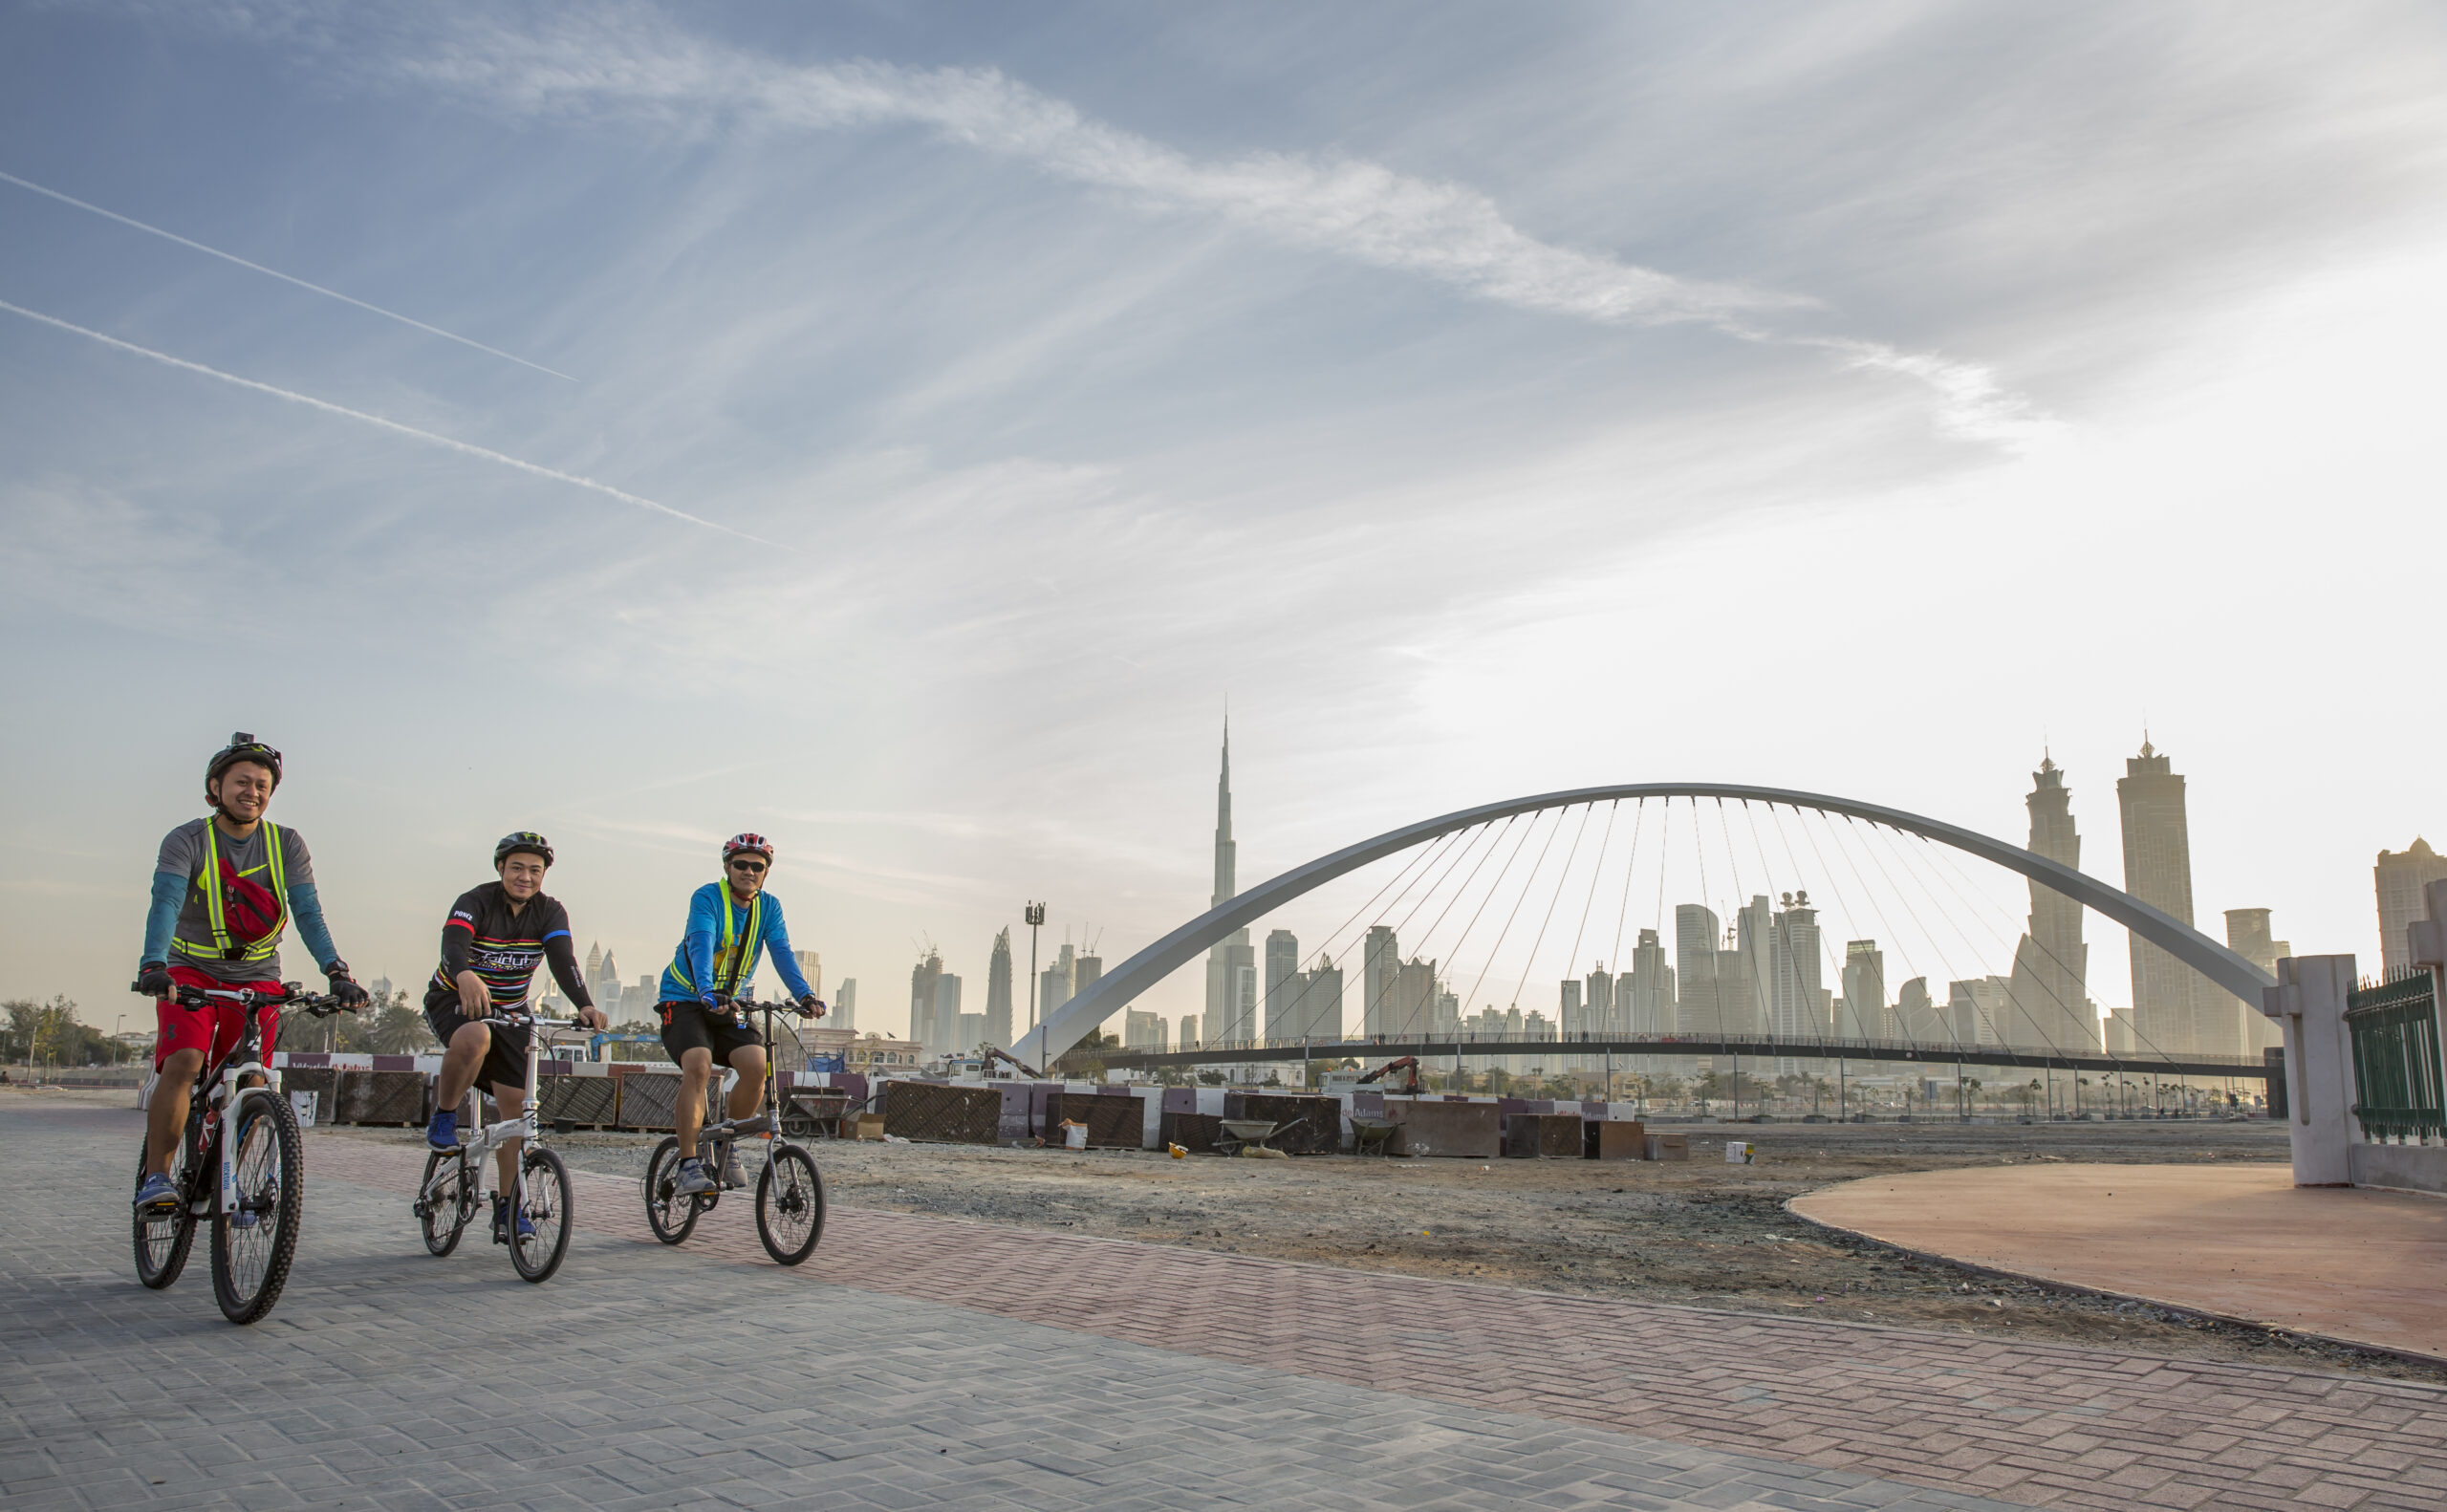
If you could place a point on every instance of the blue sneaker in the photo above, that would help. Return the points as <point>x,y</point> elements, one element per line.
<point>158,1192</point>
<point>695,1180</point>
<point>501,1214</point>
<point>442,1134</point>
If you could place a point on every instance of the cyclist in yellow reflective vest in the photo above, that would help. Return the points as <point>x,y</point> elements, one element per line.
<point>731,925</point>
<point>224,889</point>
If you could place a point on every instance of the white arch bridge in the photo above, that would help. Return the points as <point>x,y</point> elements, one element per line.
<point>1071,1021</point>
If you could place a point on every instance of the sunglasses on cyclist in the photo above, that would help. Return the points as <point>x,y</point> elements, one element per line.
<point>743,864</point>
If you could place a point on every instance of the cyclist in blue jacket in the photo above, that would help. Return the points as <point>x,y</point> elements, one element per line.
<point>731,923</point>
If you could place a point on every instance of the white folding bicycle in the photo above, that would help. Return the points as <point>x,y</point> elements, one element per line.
<point>536,1225</point>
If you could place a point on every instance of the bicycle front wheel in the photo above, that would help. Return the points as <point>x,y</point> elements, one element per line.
<point>543,1200</point>
<point>790,1204</point>
<point>162,1239</point>
<point>668,1214</point>
<point>253,1243</point>
<point>446,1200</point>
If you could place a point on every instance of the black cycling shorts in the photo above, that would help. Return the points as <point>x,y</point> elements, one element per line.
<point>692,1025</point>
<point>505,1063</point>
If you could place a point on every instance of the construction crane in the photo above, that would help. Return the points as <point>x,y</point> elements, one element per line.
<point>1408,1066</point>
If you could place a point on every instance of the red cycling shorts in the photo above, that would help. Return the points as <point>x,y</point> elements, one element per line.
<point>215,1030</point>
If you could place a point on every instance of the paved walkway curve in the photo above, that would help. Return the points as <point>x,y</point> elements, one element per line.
<point>643,1378</point>
<point>2036,1424</point>
<point>929,1362</point>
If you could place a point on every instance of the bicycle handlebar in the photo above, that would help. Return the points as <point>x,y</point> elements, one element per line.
<point>292,995</point>
<point>752,1006</point>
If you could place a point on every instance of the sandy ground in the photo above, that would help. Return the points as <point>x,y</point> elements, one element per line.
<point>1703,1233</point>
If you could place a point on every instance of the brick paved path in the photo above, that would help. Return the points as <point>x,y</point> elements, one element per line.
<point>387,1379</point>
<point>1192,1366</point>
<point>2039,1424</point>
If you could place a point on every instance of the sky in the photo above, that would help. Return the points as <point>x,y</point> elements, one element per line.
<point>905,430</point>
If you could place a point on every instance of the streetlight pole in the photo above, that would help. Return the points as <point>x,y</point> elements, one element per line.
<point>1034,913</point>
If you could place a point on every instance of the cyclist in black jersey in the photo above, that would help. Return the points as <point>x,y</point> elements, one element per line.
<point>494,938</point>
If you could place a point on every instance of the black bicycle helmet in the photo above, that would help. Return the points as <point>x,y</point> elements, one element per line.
<point>242,747</point>
<point>519,840</point>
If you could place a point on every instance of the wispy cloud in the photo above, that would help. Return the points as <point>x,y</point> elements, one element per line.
<point>429,437</point>
<point>1970,401</point>
<point>633,63</point>
<point>274,272</point>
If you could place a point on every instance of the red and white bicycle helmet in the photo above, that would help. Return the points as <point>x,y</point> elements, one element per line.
<point>743,842</point>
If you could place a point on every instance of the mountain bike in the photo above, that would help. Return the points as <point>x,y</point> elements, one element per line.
<point>790,1190</point>
<point>454,1179</point>
<point>251,1186</point>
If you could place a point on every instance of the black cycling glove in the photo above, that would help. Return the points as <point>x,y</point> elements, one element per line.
<point>154,981</point>
<point>344,987</point>
<point>809,1007</point>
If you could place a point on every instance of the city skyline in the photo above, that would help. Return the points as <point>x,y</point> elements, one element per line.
<point>1548,449</point>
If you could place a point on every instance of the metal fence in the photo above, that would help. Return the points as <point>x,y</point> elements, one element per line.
<point>2396,1069</point>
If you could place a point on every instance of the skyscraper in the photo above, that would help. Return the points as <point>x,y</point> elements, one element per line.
<point>949,1035</point>
<point>1743,983</point>
<point>1696,931</point>
<point>1412,1013</point>
<point>1653,1006</point>
<point>2050,1004</point>
<point>1054,986</point>
<point>1915,1015</point>
<point>1283,986</point>
<point>812,966</point>
<point>1597,1008</point>
<point>2399,879</point>
<point>998,991</point>
<point>1864,1016</point>
<point>1567,1012</point>
<point>1318,1014</point>
<point>1381,961</point>
<point>845,1005</point>
<point>922,1002</point>
<point>1233,953</point>
<point>2247,935</point>
<point>1797,969</point>
<point>2174,1010</point>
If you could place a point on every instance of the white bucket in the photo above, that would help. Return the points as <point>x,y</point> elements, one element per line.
<point>1740,1151</point>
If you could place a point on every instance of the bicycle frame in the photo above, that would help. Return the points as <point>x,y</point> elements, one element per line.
<point>224,1096</point>
<point>529,1124</point>
<point>727,1130</point>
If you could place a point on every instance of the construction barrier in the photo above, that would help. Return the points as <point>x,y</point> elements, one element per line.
<point>1433,1127</point>
<point>647,1097</point>
<point>937,1112</point>
<point>1542,1136</point>
<point>1312,1125</point>
<point>590,1102</point>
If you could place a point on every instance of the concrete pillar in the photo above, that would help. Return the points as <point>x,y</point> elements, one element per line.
<point>2308,1003</point>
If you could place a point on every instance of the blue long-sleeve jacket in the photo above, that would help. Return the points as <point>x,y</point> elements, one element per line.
<point>722,944</point>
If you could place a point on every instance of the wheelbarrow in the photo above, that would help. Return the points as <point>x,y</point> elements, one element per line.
<point>1239,1131</point>
<point>1372,1134</point>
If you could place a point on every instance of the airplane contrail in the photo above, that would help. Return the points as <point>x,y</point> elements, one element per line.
<point>274,272</point>
<point>392,425</point>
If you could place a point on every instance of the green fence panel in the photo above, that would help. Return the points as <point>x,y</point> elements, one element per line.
<point>2396,1069</point>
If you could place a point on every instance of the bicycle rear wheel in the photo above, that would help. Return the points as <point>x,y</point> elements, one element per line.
<point>446,1199</point>
<point>543,1198</point>
<point>162,1240</point>
<point>668,1214</point>
<point>254,1244</point>
<point>790,1204</point>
